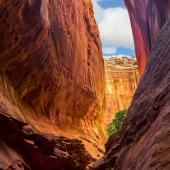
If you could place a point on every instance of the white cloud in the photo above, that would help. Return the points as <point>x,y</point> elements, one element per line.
<point>114,26</point>
<point>109,50</point>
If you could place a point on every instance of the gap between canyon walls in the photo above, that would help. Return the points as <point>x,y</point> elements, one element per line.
<point>52,85</point>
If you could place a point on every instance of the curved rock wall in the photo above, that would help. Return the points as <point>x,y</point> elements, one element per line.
<point>52,78</point>
<point>147,18</point>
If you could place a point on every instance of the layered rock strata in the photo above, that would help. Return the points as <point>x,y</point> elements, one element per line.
<point>51,85</point>
<point>147,19</point>
<point>143,142</point>
<point>122,78</point>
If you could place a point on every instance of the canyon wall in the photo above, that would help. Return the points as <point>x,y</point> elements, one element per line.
<point>147,18</point>
<point>144,141</point>
<point>51,85</point>
<point>122,78</point>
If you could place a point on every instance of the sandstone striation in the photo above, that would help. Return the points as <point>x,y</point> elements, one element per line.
<point>143,142</point>
<point>51,85</point>
<point>147,19</point>
<point>122,78</point>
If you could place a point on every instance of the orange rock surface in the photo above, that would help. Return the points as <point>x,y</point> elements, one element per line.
<point>51,84</point>
<point>122,78</point>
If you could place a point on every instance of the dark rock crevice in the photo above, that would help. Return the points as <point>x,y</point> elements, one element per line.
<point>36,150</point>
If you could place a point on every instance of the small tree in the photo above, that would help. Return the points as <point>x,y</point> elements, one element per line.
<point>116,123</point>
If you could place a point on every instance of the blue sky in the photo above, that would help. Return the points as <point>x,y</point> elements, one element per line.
<point>111,3</point>
<point>114,26</point>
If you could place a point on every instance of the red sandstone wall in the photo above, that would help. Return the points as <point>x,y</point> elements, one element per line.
<point>147,18</point>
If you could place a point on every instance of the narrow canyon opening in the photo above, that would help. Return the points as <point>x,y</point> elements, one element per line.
<point>121,69</point>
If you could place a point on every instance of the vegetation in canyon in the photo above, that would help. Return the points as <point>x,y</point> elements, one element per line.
<point>116,123</point>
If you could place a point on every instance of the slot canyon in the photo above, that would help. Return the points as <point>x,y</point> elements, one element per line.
<point>54,84</point>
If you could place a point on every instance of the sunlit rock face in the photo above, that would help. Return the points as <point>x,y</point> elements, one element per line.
<point>147,18</point>
<point>52,84</point>
<point>144,141</point>
<point>122,78</point>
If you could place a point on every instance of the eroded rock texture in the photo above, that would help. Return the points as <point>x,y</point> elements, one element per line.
<point>51,84</point>
<point>147,18</point>
<point>122,78</point>
<point>144,141</point>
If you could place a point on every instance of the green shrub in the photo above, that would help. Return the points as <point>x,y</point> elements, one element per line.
<point>116,123</point>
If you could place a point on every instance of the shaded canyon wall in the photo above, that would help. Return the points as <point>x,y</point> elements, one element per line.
<point>122,78</point>
<point>143,142</point>
<point>51,85</point>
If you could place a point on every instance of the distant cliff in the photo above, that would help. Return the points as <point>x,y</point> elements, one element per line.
<point>122,78</point>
